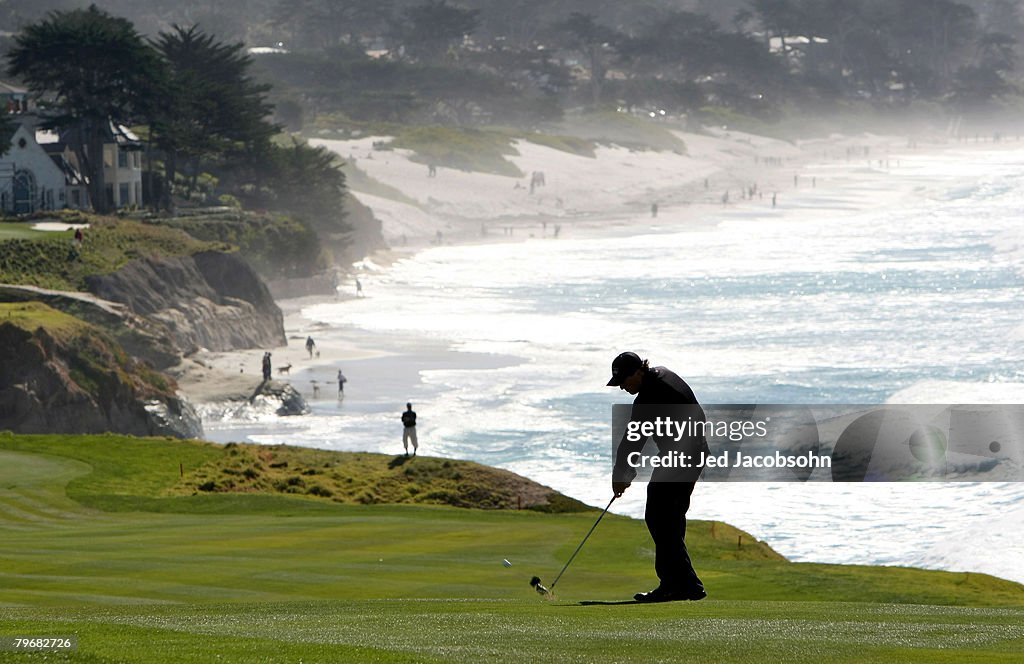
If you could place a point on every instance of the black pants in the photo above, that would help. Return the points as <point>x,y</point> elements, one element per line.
<point>667,503</point>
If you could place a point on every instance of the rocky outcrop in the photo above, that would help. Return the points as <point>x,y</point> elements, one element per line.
<point>142,338</point>
<point>70,377</point>
<point>209,300</point>
<point>289,400</point>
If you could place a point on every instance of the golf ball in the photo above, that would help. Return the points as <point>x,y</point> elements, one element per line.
<point>506,563</point>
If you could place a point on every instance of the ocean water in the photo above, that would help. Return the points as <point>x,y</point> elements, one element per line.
<point>873,283</point>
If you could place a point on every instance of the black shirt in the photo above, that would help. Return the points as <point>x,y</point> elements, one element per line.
<point>660,386</point>
<point>409,418</point>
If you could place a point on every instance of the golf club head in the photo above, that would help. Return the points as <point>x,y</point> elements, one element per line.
<point>535,582</point>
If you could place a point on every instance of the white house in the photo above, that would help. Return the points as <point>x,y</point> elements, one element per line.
<point>31,179</point>
<point>122,167</point>
<point>40,172</point>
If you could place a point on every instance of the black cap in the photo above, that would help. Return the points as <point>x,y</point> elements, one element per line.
<point>624,366</point>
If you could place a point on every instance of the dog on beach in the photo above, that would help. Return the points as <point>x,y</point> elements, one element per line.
<point>285,369</point>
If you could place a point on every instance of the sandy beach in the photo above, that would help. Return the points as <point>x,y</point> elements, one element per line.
<point>609,194</point>
<point>615,188</point>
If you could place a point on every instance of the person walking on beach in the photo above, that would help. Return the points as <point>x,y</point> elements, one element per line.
<point>668,496</point>
<point>341,383</point>
<point>409,430</point>
<point>266,366</point>
<point>310,346</point>
<point>359,288</point>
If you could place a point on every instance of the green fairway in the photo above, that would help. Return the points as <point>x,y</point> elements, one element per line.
<point>22,231</point>
<point>94,544</point>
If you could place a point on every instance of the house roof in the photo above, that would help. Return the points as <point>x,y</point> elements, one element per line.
<point>54,150</point>
<point>124,136</point>
<point>47,137</point>
<point>9,89</point>
<point>71,174</point>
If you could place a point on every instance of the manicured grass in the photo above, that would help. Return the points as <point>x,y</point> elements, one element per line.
<point>275,578</point>
<point>24,231</point>
<point>529,630</point>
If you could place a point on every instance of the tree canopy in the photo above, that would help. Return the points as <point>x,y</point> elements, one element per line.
<point>212,106</point>
<point>428,30</point>
<point>99,70</point>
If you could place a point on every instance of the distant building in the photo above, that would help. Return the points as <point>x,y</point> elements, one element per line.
<point>39,170</point>
<point>122,167</point>
<point>32,179</point>
<point>13,99</point>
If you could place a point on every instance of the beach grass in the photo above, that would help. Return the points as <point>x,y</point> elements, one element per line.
<point>93,546</point>
<point>358,180</point>
<point>471,150</point>
<point>615,128</point>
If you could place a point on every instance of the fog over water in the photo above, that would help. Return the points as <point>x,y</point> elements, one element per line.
<point>876,282</point>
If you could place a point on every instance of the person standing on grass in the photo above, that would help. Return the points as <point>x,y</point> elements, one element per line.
<point>409,430</point>
<point>668,493</point>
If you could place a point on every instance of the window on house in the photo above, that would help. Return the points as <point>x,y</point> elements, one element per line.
<point>108,156</point>
<point>136,160</point>
<point>122,159</point>
<point>76,198</point>
<point>122,192</point>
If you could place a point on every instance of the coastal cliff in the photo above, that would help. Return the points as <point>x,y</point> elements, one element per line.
<point>59,374</point>
<point>210,300</point>
<point>87,333</point>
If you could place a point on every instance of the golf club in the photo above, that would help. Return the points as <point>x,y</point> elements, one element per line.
<point>535,581</point>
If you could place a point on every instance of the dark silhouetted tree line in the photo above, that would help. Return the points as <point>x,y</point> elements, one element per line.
<point>522,61</point>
